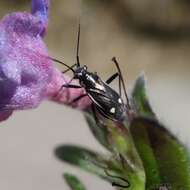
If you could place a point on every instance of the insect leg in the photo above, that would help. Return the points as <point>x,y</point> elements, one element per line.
<point>78,98</point>
<point>111,78</point>
<point>64,86</point>
<point>94,114</point>
<point>121,178</point>
<point>70,86</point>
<point>121,81</point>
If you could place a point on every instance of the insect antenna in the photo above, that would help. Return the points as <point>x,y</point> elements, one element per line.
<point>122,81</point>
<point>69,68</point>
<point>78,46</point>
<point>56,60</point>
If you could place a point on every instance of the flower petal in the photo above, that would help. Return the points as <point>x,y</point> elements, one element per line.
<point>66,95</point>
<point>24,72</point>
<point>40,10</point>
<point>11,70</point>
<point>5,115</point>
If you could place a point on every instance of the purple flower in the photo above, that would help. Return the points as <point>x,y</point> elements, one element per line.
<point>27,76</point>
<point>66,95</point>
<point>40,10</point>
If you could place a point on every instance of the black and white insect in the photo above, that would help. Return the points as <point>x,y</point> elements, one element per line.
<point>105,99</point>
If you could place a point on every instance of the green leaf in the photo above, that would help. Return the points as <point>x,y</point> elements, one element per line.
<point>100,133</point>
<point>86,160</point>
<point>143,145</point>
<point>140,98</point>
<point>97,164</point>
<point>73,182</point>
<point>164,157</point>
<point>116,137</point>
<point>123,144</point>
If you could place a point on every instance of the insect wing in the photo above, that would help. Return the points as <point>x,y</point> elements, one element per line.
<point>108,102</point>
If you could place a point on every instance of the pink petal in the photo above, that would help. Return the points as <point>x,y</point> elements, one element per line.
<point>5,115</point>
<point>66,95</point>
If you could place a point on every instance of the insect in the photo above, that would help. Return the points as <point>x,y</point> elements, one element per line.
<point>105,99</point>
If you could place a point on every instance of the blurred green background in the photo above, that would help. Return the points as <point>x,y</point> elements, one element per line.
<point>146,36</point>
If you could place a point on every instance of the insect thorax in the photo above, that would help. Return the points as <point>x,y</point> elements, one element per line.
<point>90,81</point>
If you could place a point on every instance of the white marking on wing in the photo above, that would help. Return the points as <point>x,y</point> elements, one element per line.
<point>112,110</point>
<point>120,101</point>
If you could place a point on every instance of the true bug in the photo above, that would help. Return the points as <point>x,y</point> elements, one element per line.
<point>105,99</point>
